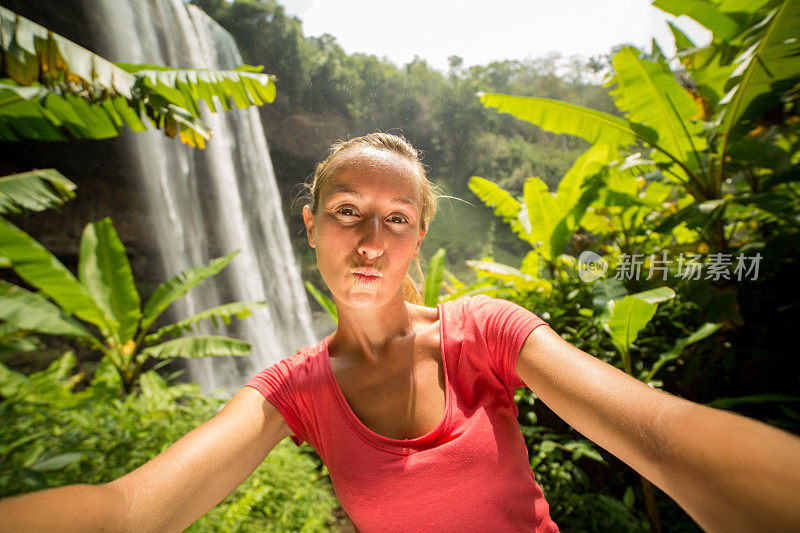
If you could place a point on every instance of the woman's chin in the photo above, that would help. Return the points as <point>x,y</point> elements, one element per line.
<point>364,298</point>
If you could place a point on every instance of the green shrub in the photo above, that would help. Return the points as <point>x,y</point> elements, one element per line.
<point>53,436</point>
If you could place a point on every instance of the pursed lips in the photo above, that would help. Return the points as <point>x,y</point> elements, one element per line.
<point>366,274</point>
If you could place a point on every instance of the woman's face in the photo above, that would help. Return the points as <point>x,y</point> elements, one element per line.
<point>367,227</point>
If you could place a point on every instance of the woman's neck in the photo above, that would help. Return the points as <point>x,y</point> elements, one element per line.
<point>368,332</point>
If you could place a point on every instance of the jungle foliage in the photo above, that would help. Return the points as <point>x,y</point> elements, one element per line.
<point>704,160</point>
<point>691,163</point>
<point>57,432</point>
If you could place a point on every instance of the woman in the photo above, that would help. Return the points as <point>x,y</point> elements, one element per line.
<point>412,408</point>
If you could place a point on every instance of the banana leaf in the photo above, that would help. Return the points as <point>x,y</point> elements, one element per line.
<point>40,269</point>
<point>177,286</point>
<point>105,273</point>
<point>51,89</point>
<point>197,346</point>
<point>723,26</point>
<point>768,67</point>
<point>505,206</point>
<point>36,190</point>
<point>27,310</point>
<point>547,221</point>
<point>32,52</point>
<point>225,312</point>
<point>630,315</point>
<point>185,87</point>
<point>561,117</point>
<point>650,95</point>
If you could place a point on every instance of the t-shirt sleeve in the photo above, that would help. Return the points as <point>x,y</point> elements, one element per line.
<point>275,384</point>
<point>505,326</point>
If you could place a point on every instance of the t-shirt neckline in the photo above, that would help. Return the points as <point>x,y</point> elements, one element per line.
<point>416,443</point>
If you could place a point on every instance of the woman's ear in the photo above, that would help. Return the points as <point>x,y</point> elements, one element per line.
<point>419,241</point>
<point>308,219</point>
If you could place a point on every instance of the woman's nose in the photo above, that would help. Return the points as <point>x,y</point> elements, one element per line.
<point>371,243</point>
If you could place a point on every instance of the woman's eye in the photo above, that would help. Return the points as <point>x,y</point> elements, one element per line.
<point>347,211</point>
<point>397,219</point>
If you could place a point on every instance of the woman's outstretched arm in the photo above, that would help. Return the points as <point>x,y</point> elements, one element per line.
<point>169,492</point>
<point>728,472</point>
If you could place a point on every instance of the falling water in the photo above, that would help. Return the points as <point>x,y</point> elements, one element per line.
<point>206,203</point>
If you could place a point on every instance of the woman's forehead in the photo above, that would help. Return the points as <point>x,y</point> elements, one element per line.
<point>376,171</point>
<point>370,158</point>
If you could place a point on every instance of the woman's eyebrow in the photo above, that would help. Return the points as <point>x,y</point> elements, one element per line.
<point>407,201</point>
<point>345,190</point>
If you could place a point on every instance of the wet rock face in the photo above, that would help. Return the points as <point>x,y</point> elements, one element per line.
<point>105,188</point>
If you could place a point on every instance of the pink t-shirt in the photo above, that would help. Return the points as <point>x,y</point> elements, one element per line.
<point>470,473</point>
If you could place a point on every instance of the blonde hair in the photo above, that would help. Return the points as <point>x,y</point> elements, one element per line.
<point>396,144</point>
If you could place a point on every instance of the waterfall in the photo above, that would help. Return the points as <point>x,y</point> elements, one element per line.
<point>206,203</point>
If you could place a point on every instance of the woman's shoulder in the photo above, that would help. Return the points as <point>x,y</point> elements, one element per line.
<point>304,357</point>
<point>476,304</point>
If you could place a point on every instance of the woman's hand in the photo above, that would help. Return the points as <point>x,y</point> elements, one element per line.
<point>169,492</point>
<point>728,472</point>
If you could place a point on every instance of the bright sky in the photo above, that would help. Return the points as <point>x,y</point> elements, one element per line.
<point>484,31</point>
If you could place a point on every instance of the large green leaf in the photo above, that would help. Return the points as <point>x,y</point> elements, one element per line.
<point>326,303</point>
<point>705,12</point>
<point>505,206</point>
<point>560,117</point>
<point>43,114</point>
<point>548,224</point>
<point>177,286</point>
<point>606,290</point>
<point>649,93</point>
<point>104,271</point>
<point>39,268</point>
<point>655,296</point>
<point>682,41</point>
<point>628,317</point>
<point>26,310</point>
<point>34,191</point>
<point>197,346</point>
<point>186,87</point>
<point>769,67</point>
<point>433,282</point>
<point>573,195</point>
<point>69,92</point>
<point>225,313</point>
<point>31,52</point>
<point>633,312</point>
